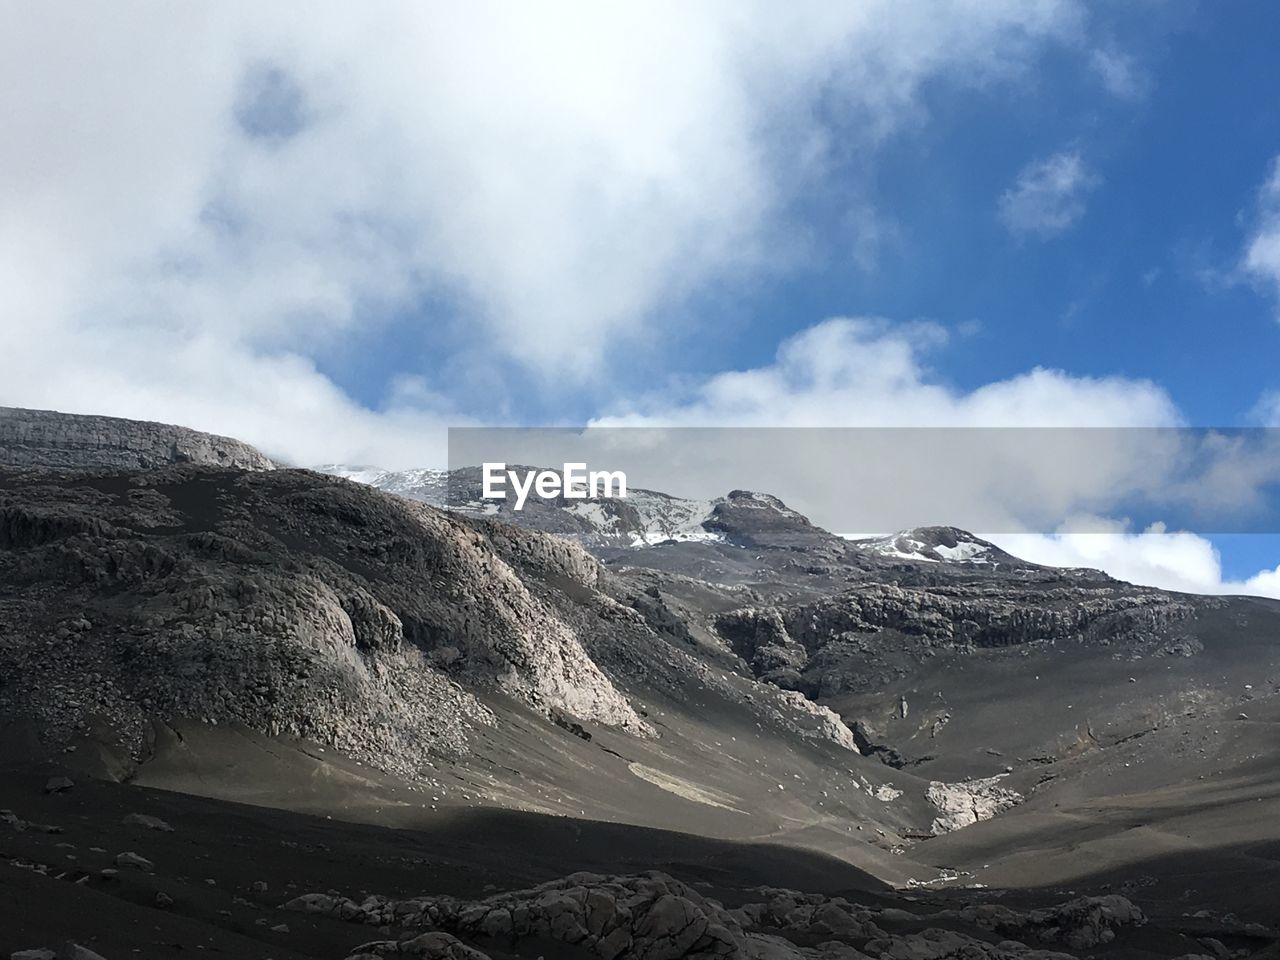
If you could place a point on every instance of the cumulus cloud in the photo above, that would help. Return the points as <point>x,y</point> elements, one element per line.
<point>1047,197</point>
<point>932,453</point>
<point>1261,261</point>
<point>238,190</point>
<point>1154,557</point>
<point>867,371</point>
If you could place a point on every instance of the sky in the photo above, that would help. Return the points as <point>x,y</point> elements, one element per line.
<point>334,230</point>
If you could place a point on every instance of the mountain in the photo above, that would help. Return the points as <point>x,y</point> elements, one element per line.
<point>277,713</point>
<point>644,518</point>
<point>648,518</point>
<point>938,545</point>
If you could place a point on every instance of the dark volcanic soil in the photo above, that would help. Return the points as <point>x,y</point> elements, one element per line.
<point>229,868</point>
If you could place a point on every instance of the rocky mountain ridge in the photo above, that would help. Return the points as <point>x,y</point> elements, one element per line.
<point>648,518</point>
<point>50,439</point>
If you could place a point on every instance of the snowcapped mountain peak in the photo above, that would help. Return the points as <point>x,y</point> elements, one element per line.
<point>644,518</point>
<point>649,518</point>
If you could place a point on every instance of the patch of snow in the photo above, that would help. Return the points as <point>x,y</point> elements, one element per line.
<point>427,485</point>
<point>900,547</point>
<point>964,552</point>
<point>665,518</point>
<point>906,546</point>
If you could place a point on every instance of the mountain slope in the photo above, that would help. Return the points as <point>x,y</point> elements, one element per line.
<point>295,604</point>
<point>923,711</point>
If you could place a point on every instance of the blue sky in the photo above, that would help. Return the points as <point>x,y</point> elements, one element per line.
<point>1143,284</point>
<point>336,237</point>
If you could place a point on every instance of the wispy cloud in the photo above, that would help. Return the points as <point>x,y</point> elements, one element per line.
<point>1048,196</point>
<point>1261,260</point>
<point>1119,74</point>
<point>1267,410</point>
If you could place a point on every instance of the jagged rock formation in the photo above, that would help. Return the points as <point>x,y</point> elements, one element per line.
<point>46,438</point>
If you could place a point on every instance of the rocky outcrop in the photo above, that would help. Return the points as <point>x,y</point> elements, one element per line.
<point>989,614</point>
<point>1079,924</point>
<point>817,722</point>
<point>653,916</point>
<point>760,638</point>
<point>836,644</point>
<point>46,438</point>
<point>968,802</point>
<point>649,917</point>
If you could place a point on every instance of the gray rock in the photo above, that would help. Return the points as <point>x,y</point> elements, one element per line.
<point>133,860</point>
<point>73,951</point>
<point>149,822</point>
<point>428,946</point>
<point>58,785</point>
<point>968,802</point>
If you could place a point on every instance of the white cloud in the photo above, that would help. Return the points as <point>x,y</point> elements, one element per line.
<point>1261,261</point>
<point>869,372</point>
<point>235,189</point>
<point>1047,197</point>
<point>866,372</point>
<point>1154,557</point>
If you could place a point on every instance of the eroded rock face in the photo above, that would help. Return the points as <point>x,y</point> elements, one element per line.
<point>760,637</point>
<point>46,438</point>
<point>837,644</point>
